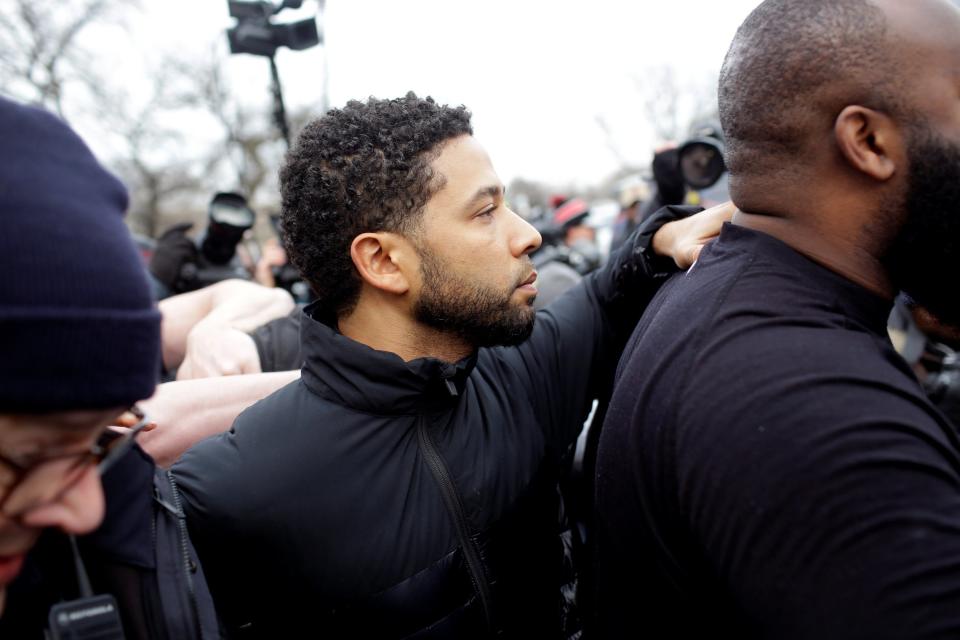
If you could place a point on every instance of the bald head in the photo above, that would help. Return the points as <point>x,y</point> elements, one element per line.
<point>793,62</point>
<point>843,137</point>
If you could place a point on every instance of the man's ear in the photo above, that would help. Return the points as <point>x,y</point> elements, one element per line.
<point>869,141</point>
<point>379,259</point>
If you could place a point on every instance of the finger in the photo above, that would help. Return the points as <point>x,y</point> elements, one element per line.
<point>126,419</point>
<point>725,210</point>
<point>728,209</point>
<point>711,221</point>
<point>230,368</point>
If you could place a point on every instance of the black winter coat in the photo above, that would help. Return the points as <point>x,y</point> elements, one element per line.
<point>377,498</point>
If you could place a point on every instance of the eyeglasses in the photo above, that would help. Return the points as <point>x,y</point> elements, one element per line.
<point>63,471</point>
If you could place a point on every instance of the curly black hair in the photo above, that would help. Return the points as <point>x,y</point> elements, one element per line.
<point>360,169</point>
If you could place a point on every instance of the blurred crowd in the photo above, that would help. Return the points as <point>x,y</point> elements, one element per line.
<point>413,413</point>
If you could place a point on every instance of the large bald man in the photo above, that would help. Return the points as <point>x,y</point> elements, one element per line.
<point>769,467</point>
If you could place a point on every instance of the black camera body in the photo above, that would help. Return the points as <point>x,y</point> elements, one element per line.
<point>700,158</point>
<point>200,274</point>
<point>228,219</point>
<point>255,33</point>
<point>180,264</point>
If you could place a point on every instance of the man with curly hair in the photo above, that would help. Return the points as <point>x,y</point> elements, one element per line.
<point>406,486</point>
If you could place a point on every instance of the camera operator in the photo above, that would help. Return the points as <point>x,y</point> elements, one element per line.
<point>696,165</point>
<point>180,264</point>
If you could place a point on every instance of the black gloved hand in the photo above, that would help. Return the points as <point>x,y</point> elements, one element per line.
<point>174,249</point>
<point>669,178</point>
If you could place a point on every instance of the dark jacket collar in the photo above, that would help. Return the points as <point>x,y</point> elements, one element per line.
<point>354,375</point>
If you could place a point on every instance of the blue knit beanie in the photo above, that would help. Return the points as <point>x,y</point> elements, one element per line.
<point>78,326</point>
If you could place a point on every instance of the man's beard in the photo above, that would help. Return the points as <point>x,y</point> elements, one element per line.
<point>925,255</point>
<point>480,315</point>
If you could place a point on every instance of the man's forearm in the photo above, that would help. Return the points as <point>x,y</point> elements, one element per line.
<point>245,305</point>
<point>233,304</point>
<point>190,410</point>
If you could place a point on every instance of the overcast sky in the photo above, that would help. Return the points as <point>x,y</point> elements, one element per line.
<point>537,74</point>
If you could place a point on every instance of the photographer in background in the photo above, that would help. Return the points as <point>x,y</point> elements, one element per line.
<point>691,172</point>
<point>180,264</point>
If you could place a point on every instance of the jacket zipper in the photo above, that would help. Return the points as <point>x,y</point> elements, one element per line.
<point>182,526</point>
<point>454,505</point>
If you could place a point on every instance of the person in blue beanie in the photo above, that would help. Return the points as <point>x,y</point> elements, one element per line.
<point>79,333</point>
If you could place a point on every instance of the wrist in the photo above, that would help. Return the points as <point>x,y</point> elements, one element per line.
<point>664,240</point>
<point>657,239</point>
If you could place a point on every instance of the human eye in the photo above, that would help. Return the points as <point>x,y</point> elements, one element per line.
<point>487,211</point>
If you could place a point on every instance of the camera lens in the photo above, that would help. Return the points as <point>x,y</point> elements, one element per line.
<point>701,164</point>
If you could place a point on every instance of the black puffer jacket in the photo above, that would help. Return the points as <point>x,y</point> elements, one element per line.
<point>377,498</point>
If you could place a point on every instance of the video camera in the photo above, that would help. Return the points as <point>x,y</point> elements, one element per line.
<point>700,158</point>
<point>228,218</point>
<point>255,32</point>
<point>182,265</point>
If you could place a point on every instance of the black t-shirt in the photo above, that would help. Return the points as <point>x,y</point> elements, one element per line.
<point>769,466</point>
<point>278,343</point>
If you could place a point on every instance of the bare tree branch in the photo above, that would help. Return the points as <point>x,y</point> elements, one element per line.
<point>45,58</point>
